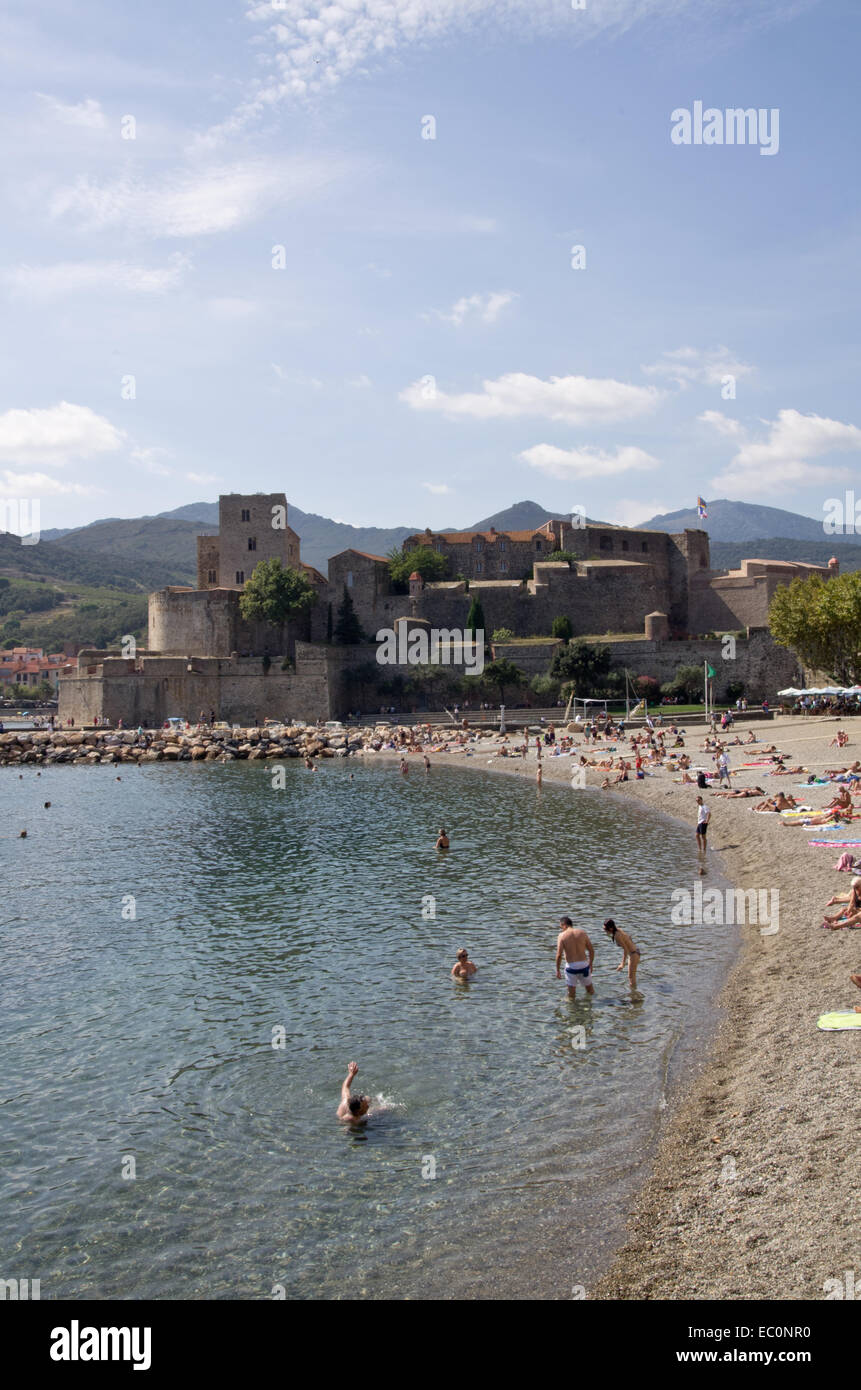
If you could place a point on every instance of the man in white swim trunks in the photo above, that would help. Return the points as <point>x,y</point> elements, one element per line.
<point>579,954</point>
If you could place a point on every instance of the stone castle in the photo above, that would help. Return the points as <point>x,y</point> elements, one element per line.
<point>650,595</point>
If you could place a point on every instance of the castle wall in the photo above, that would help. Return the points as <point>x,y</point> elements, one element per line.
<point>157,688</point>
<point>207,561</point>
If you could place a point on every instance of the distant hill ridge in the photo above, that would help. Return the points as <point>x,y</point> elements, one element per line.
<point>152,551</point>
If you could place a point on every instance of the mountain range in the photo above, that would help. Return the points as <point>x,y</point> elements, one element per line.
<point>151,551</point>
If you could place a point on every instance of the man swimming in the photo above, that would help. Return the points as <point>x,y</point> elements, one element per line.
<point>630,956</point>
<point>353,1109</point>
<point>579,954</point>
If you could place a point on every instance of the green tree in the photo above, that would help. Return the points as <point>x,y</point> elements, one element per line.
<point>348,631</point>
<point>274,594</point>
<point>584,664</point>
<point>502,634</point>
<point>423,559</point>
<point>561,627</point>
<point>546,688</point>
<point>475,618</point>
<point>501,674</point>
<point>688,681</point>
<point>820,619</point>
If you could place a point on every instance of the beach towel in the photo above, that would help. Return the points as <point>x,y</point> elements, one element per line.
<point>837,1022</point>
<point>837,844</point>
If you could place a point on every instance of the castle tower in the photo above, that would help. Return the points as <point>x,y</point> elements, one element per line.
<point>251,528</point>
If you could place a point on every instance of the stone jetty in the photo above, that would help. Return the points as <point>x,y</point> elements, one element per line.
<point>85,747</point>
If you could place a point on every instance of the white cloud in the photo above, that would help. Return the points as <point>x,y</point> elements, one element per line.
<point>202,477</point>
<point>782,460</point>
<point>438,489</point>
<point>627,511</point>
<point>297,378</point>
<point>149,459</point>
<point>487,307</point>
<point>586,462</point>
<point>53,435</point>
<point>724,424</point>
<point>578,400</point>
<point>89,277</point>
<point>87,113</point>
<point>39,485</point>
<point>706,367</point>
<point>194,202</point>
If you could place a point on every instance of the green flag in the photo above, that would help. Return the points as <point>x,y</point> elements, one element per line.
<point>711,671</point>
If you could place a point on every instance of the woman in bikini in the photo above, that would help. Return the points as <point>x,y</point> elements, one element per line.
<point>631,956</point>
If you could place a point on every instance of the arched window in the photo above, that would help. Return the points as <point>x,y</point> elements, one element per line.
<point>349,579</point>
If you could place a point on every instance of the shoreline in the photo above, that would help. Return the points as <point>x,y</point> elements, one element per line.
<point>750,1190</point>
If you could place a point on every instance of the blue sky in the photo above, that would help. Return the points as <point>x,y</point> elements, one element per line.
<point>427,354</point>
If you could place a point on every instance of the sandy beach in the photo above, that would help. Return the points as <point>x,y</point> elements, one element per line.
<point>754,1192</point>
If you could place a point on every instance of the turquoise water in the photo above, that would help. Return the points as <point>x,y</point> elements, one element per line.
<point>150,1040</point>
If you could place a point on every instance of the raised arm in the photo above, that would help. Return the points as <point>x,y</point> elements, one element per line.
<point>348,1081</point>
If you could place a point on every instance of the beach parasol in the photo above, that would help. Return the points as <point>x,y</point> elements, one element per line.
<point>790,690</point>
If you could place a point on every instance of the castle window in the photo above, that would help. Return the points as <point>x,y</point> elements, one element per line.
<point>478,543</point>
<point>624,545</point>
<point>503,545</point>
<point>349,579</point>
<point>240,576</point>
<point>246,514</point>
<point>606,543</point>
<point>538,546</point>
<point>645,546</point>
<point>252,542</point>
<point>212,577</point>
<point>478,567</point>
<point>503,567</point>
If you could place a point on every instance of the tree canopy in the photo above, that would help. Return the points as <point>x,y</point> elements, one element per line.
<point>820,619</point>
<point>502,673</point>
<point>424,559</point>
<point>275,593</point>
<point>585,664</point>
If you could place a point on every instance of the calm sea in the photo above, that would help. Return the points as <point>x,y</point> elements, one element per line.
<point>162,932</point>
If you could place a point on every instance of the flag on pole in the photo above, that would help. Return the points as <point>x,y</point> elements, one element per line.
<point>702,510</point>
<point>711,672</point>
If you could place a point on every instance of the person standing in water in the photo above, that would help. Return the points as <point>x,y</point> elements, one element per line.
<point>463,966</point>
<point>579,954</point>
<point>630,956</point>
<point>704,815</point>
<point>442,839</point>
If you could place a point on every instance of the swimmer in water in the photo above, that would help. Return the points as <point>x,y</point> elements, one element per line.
<point>463,966</point>
<point>442,839</point>
<point>630,956</point>
<point>353,1109</point>
<point>579,953</point>
<point>405,767</point>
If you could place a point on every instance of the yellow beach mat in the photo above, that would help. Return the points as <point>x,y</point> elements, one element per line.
<point>837,1022</point>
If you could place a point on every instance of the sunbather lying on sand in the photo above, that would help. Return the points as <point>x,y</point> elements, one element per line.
<point>742,792</point>
<point>781,802</point>
<point>818,818</point>
<point>781,771</point>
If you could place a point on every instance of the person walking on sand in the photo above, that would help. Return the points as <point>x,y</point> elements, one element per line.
<point>353,1109</point>
<point>704,815</point>
<point>631,956</point>
<point>579,954</point>
<point>463,966</point>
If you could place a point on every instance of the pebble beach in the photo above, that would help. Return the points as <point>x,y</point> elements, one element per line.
<point>753,1193</point>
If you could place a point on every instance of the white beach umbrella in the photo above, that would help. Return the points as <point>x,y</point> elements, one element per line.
<point>790,691</point>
